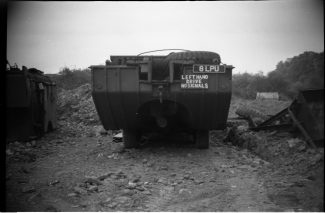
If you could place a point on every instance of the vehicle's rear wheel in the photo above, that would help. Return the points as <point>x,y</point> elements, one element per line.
<point>202,139</point>
<point>131,138</point>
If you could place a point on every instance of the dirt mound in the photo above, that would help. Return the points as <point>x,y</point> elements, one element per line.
<point>77,105</point>
<point>293,166</point>
<point>77,115</point>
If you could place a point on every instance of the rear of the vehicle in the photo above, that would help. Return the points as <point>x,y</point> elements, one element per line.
<point>184,92</point>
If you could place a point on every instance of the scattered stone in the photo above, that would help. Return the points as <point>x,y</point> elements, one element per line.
<point>122,199</point>
<point>242,128</point>
<point>16,143</point>
<point>311,151</point>
<point>244,167</point>
<point>102,131</point>
<point>72,194</point>
<point>173,175</point>
<point>84,204</point>
<point>294,142</point>
<point>165,168</point>
<point>186,177</point>
<point>139,183</point>
<point>104,176</point>
<point>317,158</point>
<point>33,143</point>
<point>120,172</point>
<point>109,199</point>
<point>93,180</point>
<point>146,192</point>
<point>79,190</point>
<point>140,188</point>
<point>127,192</point>
<point>150,164</point>
<point>189,155</point>
<point>28,189</point>
<point>83,185</point>
<point>144,161</point>
<point>162,181</point>
<point>198,181</point>
<point>9,152</point>
<point>136,179</point>
<point>184,192</point>
<point>131,185</point>
<point>53,182</point>
<point>114,177</point>
<point>302,147</point>
<point>112,205</point>
<point>93,188</point>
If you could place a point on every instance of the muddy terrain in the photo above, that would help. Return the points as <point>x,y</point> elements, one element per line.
<point>79,167</point>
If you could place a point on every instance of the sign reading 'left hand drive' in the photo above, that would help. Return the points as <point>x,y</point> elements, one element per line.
<point>194,82</point>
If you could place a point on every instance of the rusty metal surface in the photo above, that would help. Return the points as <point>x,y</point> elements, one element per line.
<point>123,101</point>
<point>30,104</point>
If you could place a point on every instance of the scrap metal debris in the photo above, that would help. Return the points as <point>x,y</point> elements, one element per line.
<point>118,137</point>
<point>306,113</point>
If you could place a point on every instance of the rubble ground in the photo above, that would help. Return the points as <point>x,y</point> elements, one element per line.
<point>79,167</point>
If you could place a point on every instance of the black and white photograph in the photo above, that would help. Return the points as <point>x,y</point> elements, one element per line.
<point>164,106</point>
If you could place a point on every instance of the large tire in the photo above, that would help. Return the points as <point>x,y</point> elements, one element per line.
<point>131,138</point>
<point>198,56</point>
<point>202,139</point>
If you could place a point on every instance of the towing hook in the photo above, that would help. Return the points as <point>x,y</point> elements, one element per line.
<point>160,89</point>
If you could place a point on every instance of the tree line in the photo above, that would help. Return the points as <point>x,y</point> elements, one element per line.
<point>305,71</point>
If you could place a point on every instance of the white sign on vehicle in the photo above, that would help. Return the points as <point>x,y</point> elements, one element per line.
<point>208,68</point>
<point>194,81</point>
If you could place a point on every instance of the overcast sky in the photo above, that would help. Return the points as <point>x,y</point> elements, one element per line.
<point>250,35</point>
